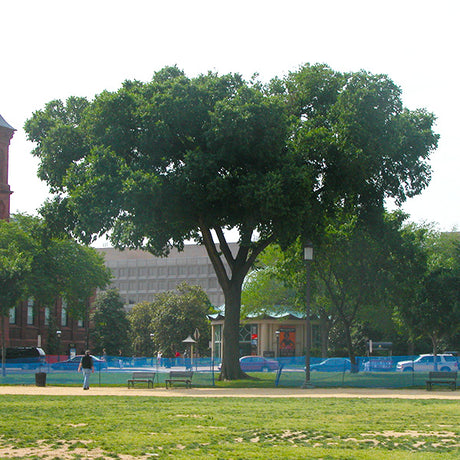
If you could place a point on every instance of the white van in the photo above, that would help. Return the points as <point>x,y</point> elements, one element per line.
<point>425,363</point>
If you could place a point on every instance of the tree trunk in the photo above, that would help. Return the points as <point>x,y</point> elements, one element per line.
<point>411,347</point>
<point>325,327</point>
<point>434,341</point>
<point>3,345</point>
<point>230,363</point>
<point>231,284</point>
<point>351,351</point>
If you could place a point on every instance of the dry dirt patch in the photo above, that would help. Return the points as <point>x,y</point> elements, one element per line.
<point>65,450</point>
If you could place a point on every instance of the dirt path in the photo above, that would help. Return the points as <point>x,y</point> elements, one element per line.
<point>233,392</point>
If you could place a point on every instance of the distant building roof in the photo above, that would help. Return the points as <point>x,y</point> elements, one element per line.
<point>4,124</point>
<point>282,315</point>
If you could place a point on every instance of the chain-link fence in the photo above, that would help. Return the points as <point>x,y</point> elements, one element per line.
<point>368,372</point>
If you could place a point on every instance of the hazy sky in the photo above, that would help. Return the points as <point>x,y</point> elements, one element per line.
<point>55,49</point>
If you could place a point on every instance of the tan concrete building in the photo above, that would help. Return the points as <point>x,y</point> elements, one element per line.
<point>138,275</point>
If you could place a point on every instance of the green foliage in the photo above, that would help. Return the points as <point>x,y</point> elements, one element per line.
<point>169,319</point>
<point>61,267</point>
<point>140,318</point>
<point>352,272</point>
<point>264,291</point>
<point>429,286</point>
<point>110,325</point>
<point>176,158</point>
<point>15,264</point>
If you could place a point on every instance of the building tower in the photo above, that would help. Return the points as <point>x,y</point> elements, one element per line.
<point>6,133</point>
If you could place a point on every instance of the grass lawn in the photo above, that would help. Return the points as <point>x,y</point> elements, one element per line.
<point>136,427</point>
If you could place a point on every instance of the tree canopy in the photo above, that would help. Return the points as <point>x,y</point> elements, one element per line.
<point>427,286</point>
<point>60,267</point>
<point>181,158</point>
<point>35,264</point>
<point>172,316</point>
<point>110,325</point>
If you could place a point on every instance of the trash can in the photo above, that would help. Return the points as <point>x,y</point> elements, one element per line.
<point>40,379</point>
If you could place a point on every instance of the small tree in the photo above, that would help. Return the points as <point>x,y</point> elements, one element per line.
<point>176,315</point>
<point>140,318</point>
<point>438,310</point>
<point>429,290</point>
<point>61,268</point>
<point>110,324</point>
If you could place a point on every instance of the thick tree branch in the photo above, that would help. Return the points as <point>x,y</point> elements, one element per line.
<point>213,254</point>
<point>224,246</point>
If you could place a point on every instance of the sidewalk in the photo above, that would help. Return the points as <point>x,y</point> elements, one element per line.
<point>233,392</point>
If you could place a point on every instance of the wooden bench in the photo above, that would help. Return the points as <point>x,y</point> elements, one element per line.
<point>442,378</point>
<point>147,377</point>
<point>179,377</point>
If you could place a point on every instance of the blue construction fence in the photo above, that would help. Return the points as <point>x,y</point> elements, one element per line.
<point>369,372</point>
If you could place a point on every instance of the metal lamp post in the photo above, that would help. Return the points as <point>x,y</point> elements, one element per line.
<point>308,257</point>
<point>58,333</point>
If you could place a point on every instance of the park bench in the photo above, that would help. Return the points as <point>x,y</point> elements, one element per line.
<point>179,377</point>
<point>147,377</point>
<point>442,378</point>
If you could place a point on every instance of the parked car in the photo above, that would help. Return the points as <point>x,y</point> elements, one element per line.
<point>332,365</point>
<point>258,364</point>
<point>24,357</point>
<point>425,363</point>
<point>73,363</point>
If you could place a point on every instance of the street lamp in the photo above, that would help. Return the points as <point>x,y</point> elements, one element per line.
<point>58,333</point>
<point>189,341</point>
<point>308,257</point>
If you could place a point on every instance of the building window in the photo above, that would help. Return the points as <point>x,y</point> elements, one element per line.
<point>13,315</point>
<point>47,316</point>
<point>64,314</point>
<point>153,286</point>
<point>248,339</point>
<point>80,323</point>
<point>30,311</point>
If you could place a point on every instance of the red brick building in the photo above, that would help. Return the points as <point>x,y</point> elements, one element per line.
<point>29,324</point>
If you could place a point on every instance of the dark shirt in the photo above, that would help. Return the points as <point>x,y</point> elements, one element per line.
<point>87,362</point>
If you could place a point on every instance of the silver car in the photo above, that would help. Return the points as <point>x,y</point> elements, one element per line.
<point>426,363</point>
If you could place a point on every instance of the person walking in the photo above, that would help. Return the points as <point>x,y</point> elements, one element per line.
<point>86,366</point>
